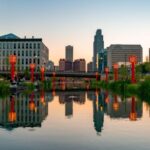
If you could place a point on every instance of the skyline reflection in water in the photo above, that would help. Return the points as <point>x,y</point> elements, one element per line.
<point>73,115</point>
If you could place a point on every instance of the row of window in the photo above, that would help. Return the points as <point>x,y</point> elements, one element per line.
<point>22,61</point>
<point>19,68</point>
<point>20,53</point>
<point>19,45</point>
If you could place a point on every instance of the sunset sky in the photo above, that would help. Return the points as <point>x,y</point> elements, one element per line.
<point>74,22</point>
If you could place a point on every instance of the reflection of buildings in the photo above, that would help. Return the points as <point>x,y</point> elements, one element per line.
<point>124,108</point>
<point>68,98</point>
<point>25,117</point>
<point>98,112</point>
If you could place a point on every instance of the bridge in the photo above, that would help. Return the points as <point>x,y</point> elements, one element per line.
<point>59,74</point>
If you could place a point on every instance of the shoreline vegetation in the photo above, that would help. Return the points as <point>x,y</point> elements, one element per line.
<point>123,88</point>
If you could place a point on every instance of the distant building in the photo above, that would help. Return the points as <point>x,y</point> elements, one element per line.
<point>120,53</point>
<point>89,67</point>
<point>69,53</point>
<point>79,65</point>
<point>56,68</point>
<point>98,47</point>
<point>27,50</point>
<point>62,65</point>
<point>149,54</point>
<point>68,66</point>
<point>50,66</point>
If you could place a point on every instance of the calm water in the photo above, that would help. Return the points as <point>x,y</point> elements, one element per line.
<point>73,120</point>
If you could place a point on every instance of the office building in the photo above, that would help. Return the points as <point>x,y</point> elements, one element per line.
<point>120,53</point>
<point>62,65</point>
<point>27,51</point>
<point>79,65</point>
<point>89,67</point>
<point>68,66</point>
<point>98,47</point>
<point>69,53</point>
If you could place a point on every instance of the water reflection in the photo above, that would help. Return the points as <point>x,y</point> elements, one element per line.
<point>21,110</point>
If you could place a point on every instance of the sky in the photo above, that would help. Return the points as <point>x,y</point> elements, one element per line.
<point>74,22</point>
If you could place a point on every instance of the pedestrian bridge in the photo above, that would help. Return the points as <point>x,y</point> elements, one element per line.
<point>60,74</point>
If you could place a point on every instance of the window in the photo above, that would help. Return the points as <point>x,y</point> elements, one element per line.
<point>31,45</point>
<point>26,61</point>
<point>26,53</point>
<point>3,53</point>
<point>34,54</point>
<point>14,45</point>
<point>14,52</point>
<point>22,61</point>
<point>38,61</point>
<point>27,45</point>
<point>38,53</point>
<point>22,45</point>
<point>22,53</point>
<point>34,45</point>
<point>38,45</point>
<point>18,53</point>
<point>18,45</point>
<point>30,53</point>
<point>0,46</point>
<point>30,60</point>
<point>3,45</point>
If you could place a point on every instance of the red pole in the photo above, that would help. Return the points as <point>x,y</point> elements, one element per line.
<point>32,74</point>
<point>12,71</point>
<point>133,72</point>
<point>116,74</point>
<point>106,76</point>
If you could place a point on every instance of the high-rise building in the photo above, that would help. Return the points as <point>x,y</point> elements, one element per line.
<point>50,66</point>
<point>79,65</point>
<point>89,67</point>
<point>98,47</point>
<point>27,51</point>
<point>62,65</point>
<point>68,66</point>
<point>149,54</point>
<point>69,53</point>
<point>120,53</point>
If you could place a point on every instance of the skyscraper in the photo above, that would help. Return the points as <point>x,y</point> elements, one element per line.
<point>98,47</point>
<point>69,53</point>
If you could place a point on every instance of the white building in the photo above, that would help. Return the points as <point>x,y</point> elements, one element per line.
<point>119,53</point>
<point>27,51</point>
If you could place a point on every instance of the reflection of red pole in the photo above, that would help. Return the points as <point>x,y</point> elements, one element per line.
<point>133,115</point>
<point>12,113</point>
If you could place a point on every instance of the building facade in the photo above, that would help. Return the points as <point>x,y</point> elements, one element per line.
<point>98,47</point>
<point>89,67</point>
<point>69,53</point>
<point>120,53</point>
<point>62,65</point>
<point>27,51</point>
<point>79,65</point>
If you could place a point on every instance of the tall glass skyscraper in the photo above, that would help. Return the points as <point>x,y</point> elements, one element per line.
<point>98,47</point>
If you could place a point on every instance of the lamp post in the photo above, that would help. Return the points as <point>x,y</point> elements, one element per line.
<point>12,61</point>
<point>32,67</point>
<point>133,60</point>
<point>106,74</point>
<point>42,73</point>
<point>115,66</point>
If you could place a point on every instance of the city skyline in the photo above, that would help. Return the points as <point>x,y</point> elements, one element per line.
<point>58,23</point>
